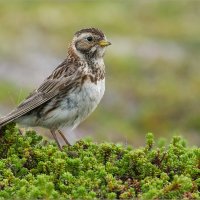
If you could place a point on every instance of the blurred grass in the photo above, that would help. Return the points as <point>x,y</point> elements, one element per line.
<point>152,67</point>
<point>11,94</point>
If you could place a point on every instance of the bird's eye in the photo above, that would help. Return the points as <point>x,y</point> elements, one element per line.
<point>89,38</point>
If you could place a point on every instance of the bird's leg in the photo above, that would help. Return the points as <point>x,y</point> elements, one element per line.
<point>20,131</point>
<point>55,138</point>
<point>64,138</point>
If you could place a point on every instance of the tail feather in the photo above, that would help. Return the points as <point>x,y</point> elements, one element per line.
<point>5,120</point>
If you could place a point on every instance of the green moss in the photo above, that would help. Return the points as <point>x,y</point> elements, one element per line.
<point>32,168</point>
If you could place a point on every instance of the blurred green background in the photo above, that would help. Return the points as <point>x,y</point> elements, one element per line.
<point>153,65</point>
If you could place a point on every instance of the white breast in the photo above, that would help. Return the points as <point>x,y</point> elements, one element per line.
<point>89,97</point>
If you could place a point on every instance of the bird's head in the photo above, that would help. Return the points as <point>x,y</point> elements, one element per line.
<point>89,43</point>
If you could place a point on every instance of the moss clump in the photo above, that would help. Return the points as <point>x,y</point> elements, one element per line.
<point>32,168</point>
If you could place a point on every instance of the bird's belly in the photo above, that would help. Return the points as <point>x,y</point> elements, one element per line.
<point>76,106</point>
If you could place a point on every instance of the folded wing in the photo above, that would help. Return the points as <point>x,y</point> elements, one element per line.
<point>51,87</point>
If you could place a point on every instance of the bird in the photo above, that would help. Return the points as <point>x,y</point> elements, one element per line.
<point>71,92</point>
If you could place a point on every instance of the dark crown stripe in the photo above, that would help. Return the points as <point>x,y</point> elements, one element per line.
<point>90,30</point>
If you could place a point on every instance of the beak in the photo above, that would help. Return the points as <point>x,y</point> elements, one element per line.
<point>104,43</point>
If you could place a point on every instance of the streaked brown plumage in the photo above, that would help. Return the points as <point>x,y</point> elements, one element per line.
<point>72,91</point>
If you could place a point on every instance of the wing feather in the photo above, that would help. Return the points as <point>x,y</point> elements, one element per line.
<point>48,89</point>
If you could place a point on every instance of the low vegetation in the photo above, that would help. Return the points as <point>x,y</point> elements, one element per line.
<point>33,168</point>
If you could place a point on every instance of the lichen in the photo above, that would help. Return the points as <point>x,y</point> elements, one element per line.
<point>33,168</point>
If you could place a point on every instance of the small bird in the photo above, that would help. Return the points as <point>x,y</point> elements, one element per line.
<point>71,92</point>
